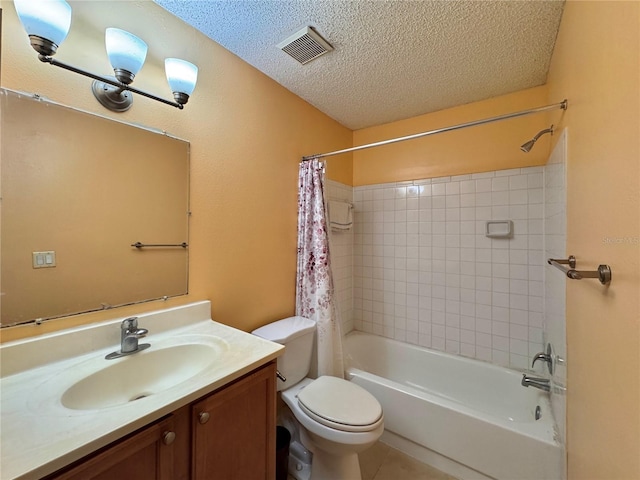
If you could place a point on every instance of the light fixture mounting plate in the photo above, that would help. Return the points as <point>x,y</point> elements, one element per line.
<point>42,45</point>
<point>112,97</point>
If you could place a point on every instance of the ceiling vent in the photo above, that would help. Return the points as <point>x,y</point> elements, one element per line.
<point>305,45</point>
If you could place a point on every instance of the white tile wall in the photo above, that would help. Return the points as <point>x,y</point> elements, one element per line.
<point>425,273</point>
<point>341,247</point>
<point>417,266</point>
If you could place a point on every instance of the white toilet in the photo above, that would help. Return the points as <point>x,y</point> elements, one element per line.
<point>337,418</point>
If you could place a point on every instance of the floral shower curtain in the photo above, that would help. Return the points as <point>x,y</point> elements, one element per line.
<point>315,291</point>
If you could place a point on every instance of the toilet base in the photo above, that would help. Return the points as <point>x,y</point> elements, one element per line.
<point>299,457</point>
<point>300,460</point>
<point>331,467</point>
<point>327,466</point>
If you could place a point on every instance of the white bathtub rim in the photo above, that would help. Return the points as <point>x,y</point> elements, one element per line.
<point>457,358</point>
<point>505,456</point>
<point>546,423</point>
<point>536,429</point>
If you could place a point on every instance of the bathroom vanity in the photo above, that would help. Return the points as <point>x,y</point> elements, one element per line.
<point>227,434</point>
<point>199,403</point>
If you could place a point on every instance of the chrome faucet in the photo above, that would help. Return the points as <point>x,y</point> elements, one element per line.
<point>537,382</point>
<point>129,335</point>
<point>541,356</point>
<point>546,358</point>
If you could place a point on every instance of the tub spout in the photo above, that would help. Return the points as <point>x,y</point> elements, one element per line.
<point>537,382</point>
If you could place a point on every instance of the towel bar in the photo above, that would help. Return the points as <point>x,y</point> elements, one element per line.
<point>145,245</point>
<point>603,273</point>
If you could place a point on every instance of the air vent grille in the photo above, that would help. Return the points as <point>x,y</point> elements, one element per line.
<point>305,45</point>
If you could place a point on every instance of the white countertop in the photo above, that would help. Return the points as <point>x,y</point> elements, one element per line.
<point>39,435</point>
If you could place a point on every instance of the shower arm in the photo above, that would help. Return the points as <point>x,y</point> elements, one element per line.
<point>542,132</point>
<point>562,105</point>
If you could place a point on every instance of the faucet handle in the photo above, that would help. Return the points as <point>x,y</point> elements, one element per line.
<point>130,323</point>
<point>547,357</point>
<point>540,356</point>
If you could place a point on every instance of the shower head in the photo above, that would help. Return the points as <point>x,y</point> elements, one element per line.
<point>527,146</point>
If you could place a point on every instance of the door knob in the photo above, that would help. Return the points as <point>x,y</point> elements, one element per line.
<point>203,417</point>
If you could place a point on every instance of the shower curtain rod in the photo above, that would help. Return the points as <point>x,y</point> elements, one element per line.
<point>562,105</point>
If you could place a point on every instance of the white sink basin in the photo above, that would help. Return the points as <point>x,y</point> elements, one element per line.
<point>142,374</point>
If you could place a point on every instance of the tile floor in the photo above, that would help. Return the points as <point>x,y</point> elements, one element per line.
<point>382,462</point>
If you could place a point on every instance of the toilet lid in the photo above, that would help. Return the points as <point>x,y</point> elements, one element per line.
<point>340,404</point>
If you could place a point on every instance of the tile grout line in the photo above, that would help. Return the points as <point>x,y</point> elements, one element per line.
<point>386,457</point>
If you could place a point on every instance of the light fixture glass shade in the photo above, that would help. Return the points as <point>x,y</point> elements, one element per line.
<point>125,50</point>
<point>181,75</point>
<point>49,19</point>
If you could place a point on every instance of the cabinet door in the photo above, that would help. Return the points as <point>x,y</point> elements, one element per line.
<point>234,430</point>
<point>145,455</point>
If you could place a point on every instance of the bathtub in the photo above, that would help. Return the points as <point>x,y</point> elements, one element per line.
<point>466,417</point>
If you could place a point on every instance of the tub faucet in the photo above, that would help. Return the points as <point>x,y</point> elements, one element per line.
<point>546,358</point>
<point>537,382</point>
<point>129,335</point>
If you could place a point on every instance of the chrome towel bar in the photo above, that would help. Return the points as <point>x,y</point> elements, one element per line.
<point>145,245</point>
<point>603,273</point>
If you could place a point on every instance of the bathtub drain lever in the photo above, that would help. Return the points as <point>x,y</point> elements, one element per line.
<point>538,413</point>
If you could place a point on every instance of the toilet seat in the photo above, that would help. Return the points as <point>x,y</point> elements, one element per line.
<point>340,404</point>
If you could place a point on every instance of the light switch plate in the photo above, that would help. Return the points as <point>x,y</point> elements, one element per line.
<point>44,259</point>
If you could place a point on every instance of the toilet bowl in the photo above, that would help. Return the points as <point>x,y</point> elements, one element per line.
<point>337,419</point>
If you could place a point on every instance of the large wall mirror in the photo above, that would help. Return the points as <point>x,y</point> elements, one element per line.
<point>78,192</point>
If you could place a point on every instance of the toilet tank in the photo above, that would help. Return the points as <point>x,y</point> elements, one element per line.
<point>296,334</point>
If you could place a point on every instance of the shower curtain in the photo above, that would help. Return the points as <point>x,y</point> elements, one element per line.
<point>314,286</point>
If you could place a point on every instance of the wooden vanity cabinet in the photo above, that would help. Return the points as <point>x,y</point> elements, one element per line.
<point>149,453</point>
<point>234,430</point>
<point>227,435</point>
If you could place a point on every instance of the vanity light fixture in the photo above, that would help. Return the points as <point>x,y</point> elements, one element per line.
<point>47,23</point>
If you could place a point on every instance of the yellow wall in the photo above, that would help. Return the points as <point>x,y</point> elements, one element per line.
<point>493,146</point>
<point>247,135</point>
<point>596,65</point>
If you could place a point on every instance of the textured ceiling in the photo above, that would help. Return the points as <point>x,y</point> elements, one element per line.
<point>392,59</point>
